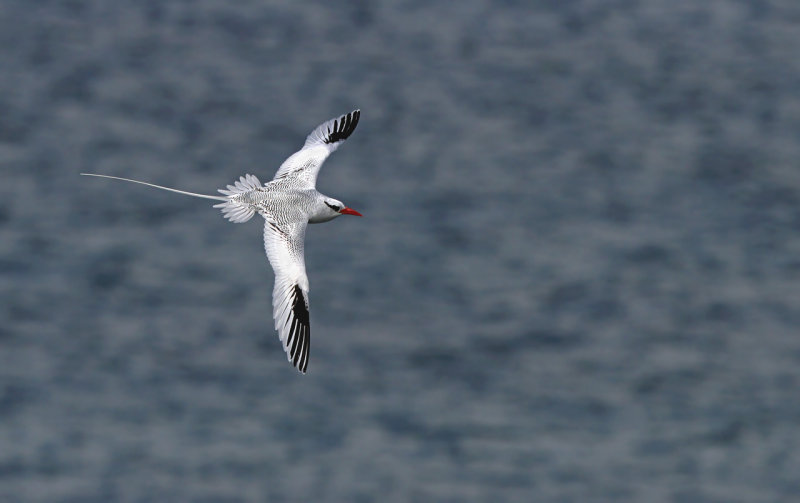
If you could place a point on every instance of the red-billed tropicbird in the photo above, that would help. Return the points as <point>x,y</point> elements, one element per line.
<point>287,203</point>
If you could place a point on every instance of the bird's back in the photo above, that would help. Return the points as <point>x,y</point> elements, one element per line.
<point>283,201</point>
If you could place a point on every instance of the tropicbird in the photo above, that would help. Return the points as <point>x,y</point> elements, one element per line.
<point>288,203</point>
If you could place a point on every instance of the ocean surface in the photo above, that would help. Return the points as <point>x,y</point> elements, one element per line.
<point>577,278</point>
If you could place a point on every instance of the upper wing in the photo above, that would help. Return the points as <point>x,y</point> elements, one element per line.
<point>284,246</point>
<point>305,163</point>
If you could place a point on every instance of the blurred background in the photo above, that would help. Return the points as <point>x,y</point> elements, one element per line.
<point>577,277</point>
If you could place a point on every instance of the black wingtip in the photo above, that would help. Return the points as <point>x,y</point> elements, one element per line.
<point>300,332</point>
<point>343,127</point>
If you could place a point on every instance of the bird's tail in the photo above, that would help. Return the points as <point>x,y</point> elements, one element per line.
<point>234,209</point>
<point>204,196</point>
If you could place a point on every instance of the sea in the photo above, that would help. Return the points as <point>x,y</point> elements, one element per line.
<point>577,277</point>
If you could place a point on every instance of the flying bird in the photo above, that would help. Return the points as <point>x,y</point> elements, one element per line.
<point>288,203</point>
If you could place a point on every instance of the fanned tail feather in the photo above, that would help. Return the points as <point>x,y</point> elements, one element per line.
<point>245,183</point>
<point>234,210</point>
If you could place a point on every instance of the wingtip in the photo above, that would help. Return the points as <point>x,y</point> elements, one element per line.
<point>342,127</point>
<point>301,365</point>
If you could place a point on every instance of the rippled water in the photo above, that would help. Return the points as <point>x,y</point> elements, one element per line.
<point>577,277</point>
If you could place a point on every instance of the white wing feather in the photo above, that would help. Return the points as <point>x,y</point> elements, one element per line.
<point>284,245</point>
<point>322,142</point>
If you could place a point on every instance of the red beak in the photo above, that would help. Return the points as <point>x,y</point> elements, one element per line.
<point>350,211</point>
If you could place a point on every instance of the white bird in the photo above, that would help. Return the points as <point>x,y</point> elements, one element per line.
<point>287,203</point>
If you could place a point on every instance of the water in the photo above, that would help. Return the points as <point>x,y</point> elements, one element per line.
<point>576,280</point>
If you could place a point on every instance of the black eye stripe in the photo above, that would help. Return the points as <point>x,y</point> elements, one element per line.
<point>332,206</point>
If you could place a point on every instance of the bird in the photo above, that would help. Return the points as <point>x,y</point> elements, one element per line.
<point>288,203</point>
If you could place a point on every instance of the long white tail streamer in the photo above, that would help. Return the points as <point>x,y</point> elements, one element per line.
<point>204,196</point>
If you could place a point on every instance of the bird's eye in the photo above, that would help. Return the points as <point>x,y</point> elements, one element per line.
<point>334,207</point>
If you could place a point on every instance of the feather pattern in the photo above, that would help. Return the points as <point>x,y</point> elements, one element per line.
<point>238,207</point>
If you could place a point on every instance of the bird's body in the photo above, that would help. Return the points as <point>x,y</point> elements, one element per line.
<point>288,203</point>
<point>285,200</point>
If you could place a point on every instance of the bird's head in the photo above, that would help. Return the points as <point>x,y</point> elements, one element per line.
<point>332,209</point>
